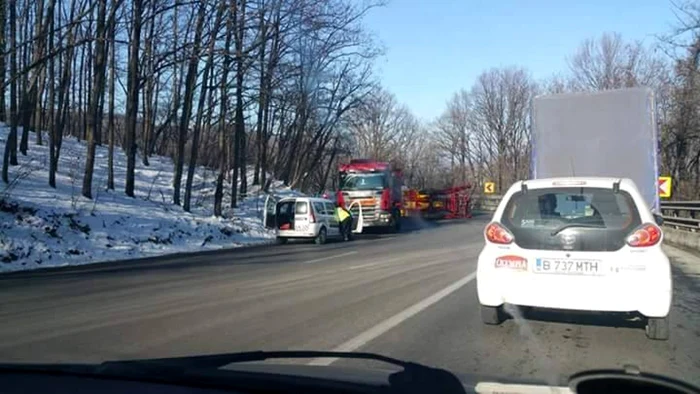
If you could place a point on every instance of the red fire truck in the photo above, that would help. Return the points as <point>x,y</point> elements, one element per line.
<point>375,188</point>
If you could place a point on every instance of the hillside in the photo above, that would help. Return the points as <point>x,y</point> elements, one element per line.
<point>45,227</point>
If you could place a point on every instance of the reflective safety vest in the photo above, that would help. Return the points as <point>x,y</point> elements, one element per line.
<point>341,213</point>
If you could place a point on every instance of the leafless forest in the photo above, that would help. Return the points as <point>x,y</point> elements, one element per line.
<point>286,87</point>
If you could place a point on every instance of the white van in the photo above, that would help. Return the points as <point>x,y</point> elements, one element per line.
<point>305,217</point>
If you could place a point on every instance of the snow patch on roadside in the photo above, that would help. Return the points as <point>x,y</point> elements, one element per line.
<point>45,227</point>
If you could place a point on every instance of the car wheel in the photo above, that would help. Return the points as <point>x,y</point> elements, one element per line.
<point>282,241</point>
<point>321,237</point>
<point>657,328</point>
<point>492,315</point>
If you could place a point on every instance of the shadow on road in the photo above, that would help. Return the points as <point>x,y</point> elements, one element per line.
<point>617,320</point>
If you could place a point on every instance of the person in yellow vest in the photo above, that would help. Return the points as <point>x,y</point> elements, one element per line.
<point>344,218</point>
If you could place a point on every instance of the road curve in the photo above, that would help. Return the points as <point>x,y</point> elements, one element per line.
<point>409,295</point>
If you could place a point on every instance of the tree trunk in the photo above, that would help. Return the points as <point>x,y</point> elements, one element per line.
<point>95,118</point>
<point>190,81</point>
<point>51,99</point>
<point>3,104</point>
<point>148,112</point>
<point>10,154</point>
<point>25,111</point>
<point>30,108</point>
<point>63,99</point>
<point>200,113</point>
<point>112,77</point>
<point>223,109</point>
<point>38,123</point>
<point>261,95</point>
<point>132,96</point>
<point>239,138</point>
<point>79,106</point>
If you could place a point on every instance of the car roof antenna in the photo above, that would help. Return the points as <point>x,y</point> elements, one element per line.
<point>571,165</point>
<point>616,186</point>
<point>523,187</point>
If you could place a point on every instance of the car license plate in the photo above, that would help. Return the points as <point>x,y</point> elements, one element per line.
<point>568,267</point>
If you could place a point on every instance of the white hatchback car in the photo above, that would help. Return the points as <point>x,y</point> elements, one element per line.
<point>587,244</point>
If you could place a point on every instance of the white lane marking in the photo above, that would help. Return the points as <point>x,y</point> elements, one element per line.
<point>335,256</point>
<point>381,328</point>
<point>354,267</point>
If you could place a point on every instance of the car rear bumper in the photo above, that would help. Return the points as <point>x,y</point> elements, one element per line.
<point>640,283</point>
<point>297,234</point>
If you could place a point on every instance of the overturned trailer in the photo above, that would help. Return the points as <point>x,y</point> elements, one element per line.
<point>449,203</point>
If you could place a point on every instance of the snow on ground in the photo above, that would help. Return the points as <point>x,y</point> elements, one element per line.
<point>45,227</point>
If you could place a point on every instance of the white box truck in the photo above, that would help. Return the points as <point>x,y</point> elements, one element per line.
<point>610,133</point>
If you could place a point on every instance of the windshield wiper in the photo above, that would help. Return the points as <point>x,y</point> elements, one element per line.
<point>571,225</point>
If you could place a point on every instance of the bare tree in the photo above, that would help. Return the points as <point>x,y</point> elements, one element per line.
<point>223,109</point>
<point>94,110</point>
<point>501,106</point>
<point>611,63</point>
<point>456,137</point>
<point>112,86</point>
<point>10,154</point>
<point>378,125</point>
<point>200,107</point>
<point>190,81</point>
<point>132,99</point>
<point>3,9</point>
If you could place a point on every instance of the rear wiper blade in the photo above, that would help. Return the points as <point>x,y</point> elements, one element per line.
<point>571,225</point>
<point>220,360</point>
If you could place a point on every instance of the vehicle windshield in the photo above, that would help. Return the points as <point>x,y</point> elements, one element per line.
<point>196,177</point>
<point>363,182</point>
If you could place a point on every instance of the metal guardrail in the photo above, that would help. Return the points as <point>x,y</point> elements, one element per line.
<point>681,214</point>
<point>677,214</point>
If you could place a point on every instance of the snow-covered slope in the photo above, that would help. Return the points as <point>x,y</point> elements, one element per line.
<point>45,227</point>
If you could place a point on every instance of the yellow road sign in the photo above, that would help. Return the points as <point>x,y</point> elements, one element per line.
<point>665,183</point>
<point>489,188</point>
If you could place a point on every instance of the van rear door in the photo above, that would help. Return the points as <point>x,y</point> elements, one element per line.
<point>285,217</point>
<point>270,212</point>
<point>302,216</point>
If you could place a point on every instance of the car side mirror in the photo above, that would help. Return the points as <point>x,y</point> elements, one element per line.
<point>659,219</point>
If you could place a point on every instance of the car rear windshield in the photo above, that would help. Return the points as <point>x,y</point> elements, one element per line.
<point>599,218</point>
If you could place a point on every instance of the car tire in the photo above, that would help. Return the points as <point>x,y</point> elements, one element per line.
<point>492,315</point>
<point>322,236</point>
<point>282,241</point>
<point>657,328</point>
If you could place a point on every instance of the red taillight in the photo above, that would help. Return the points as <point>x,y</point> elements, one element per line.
<point>386,200</point>
<point>312,215</point>
<point>645,235</point>
<point>498,234</point>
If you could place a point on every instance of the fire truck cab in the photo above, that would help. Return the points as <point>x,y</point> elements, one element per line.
<point>375,188</point>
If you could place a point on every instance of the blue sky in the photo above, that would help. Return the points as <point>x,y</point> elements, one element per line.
<point>435,47</point>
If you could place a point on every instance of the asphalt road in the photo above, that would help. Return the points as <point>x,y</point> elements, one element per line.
<point>410,295</point>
